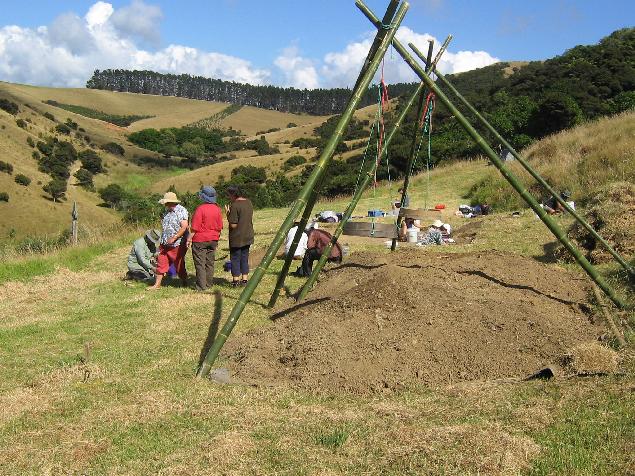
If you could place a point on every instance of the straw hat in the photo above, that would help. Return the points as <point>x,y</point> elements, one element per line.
<point>437,223</point>
<point>169,197</point>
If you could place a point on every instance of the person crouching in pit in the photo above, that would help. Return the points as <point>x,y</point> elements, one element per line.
<point>317,241</point>
<point>173,247</point>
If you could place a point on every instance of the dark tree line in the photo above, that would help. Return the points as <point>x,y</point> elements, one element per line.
<point>600,79</point>
<point>315,101</point>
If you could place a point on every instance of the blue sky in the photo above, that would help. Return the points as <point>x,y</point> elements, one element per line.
<point>299,43</point>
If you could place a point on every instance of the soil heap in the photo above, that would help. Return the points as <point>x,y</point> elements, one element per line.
<point>385,322</point>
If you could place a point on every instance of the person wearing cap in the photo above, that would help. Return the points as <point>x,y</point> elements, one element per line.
<point>553,206</point>
<point>434,235</point>
<point>207,224</point>
<point>172,246</point>
<point>140,266</point>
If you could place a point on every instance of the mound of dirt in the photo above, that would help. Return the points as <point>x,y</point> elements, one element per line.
<point>612,213</point>
<point>384,322</point>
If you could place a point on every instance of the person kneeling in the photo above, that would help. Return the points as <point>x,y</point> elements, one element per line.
<point>140,265</point>
<point>301,248</point>
<point>317,241</point>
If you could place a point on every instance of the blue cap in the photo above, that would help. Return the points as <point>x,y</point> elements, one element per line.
<point>207,194</point>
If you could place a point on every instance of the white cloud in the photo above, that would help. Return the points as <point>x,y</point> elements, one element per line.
<point>342,68</point>
<point>68,51</point>
<point>139,20</point>
<point>298,72</point>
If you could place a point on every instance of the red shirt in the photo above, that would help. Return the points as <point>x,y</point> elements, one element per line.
<point>207,223</point>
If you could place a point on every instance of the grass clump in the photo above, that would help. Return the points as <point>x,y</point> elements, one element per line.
<point>332,439</point>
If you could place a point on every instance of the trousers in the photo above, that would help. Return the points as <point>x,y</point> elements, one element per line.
<point>240,260</point>
<point>204,254</point>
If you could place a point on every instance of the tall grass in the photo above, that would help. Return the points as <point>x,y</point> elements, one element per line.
<point>42,255</point>
<point>582,160</point>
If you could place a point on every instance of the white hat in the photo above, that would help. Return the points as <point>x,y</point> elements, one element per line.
<point>169,197</point>
<point>437,223</point>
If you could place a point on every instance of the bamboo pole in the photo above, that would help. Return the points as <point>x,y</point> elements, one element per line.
<point>498,163</point>
<point>527,167</point>
<point>413,148</point>
<point>386,35</point>
<point>308,209</point>
<point>608,318</point>
<point>368,178</point>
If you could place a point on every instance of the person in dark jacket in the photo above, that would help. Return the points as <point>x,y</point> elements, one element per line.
<point>316,243</point>
<point>241,234</point>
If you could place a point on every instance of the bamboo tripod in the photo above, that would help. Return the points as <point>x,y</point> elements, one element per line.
<point>386,30</point>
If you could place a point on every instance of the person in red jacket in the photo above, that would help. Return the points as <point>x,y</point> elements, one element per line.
<point>207,224</point>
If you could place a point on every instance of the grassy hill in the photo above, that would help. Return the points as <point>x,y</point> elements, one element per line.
<point>30,212</point>
<point>583,160</point>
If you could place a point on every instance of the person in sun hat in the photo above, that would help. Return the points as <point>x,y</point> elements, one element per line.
<point>434,235</point>
<point>207,224</point>
<point>172,246</point>
<point>140,266</point>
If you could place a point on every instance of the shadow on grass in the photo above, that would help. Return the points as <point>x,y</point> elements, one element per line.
<point>212,331</point>
<point>549,253</point>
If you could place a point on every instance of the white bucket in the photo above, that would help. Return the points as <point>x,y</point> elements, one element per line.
<point>413,235</point>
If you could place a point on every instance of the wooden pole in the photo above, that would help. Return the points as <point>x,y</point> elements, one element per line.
<point>74,218</point>
<point>505,172</point>
<point>386,33</point>
<point>521,160</point>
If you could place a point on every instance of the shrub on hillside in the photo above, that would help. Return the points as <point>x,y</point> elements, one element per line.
<point>36,155</point>
<point>91,161</point>
<point>291,124</point>
<point>250,173</point>
<point>9,106</point>
<point>85,179</point>
<point>21,123</point>
<point>4,197</point>
<point>56,188</point>
<point>114,148</point>
<point>6,167</point>
<point>112,195</point>
<point>22,179</point>
<point>63,129</point>
<point>71,124</point>
<point>49,116</point>
<point>30,142</point>
<point>292,162</point>
<point>307,142</point>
